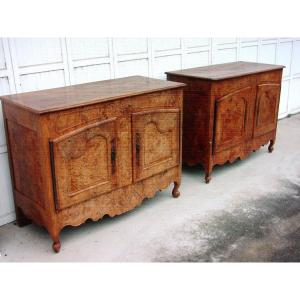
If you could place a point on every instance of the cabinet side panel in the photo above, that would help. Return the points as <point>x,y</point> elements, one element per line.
<point>22,139</point>
<point>26,166</point>
<point>197,110</point>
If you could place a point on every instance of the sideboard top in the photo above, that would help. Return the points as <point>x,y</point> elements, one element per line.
<point>226,71</point>
<point>88,93</point>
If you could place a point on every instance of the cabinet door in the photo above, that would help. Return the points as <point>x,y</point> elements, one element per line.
<point>233,118</point>
<point>267,102</point>
<point>156,141</point>
<point>84,163</point>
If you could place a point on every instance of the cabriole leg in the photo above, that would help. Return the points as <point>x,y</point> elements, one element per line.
<point>56,245</point>
<point>271,146</point>
<point>207,177</point>
<point>56,242</point>
<point>208,171</point>
<point>175,191</point>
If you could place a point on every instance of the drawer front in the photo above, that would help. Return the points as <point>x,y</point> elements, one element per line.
<point>156,141</point>
<point>267,103</point>
<point>233,118</point>
<point>84,163</point>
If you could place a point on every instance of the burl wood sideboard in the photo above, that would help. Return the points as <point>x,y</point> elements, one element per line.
<point>229,109</point>
<point>84,151</point>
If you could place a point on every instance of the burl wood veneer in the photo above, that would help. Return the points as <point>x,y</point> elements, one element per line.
<point>229,109</point>
<point>84,151</point>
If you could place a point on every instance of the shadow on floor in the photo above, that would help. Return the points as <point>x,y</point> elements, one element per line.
<point>264,230</point>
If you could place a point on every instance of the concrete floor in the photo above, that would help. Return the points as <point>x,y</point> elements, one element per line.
<point>249,212</point>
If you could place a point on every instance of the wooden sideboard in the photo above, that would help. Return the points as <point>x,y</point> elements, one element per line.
<point>229,109</point>
<point>84,151</point>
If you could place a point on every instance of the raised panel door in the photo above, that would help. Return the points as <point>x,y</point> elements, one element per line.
<point>156,141</point>
<point>266,108</point>
<point>233,118</point>
<point>84,163</point>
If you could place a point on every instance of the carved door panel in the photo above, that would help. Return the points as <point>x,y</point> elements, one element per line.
<point>267,101</point>
<point>84,163</point>
<point>156,141</point>
<point>233,118</point>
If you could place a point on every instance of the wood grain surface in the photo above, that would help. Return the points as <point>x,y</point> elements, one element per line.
<point>99,159</point>
<point>227,119</point>
<point>227,70</point>
<point>89,93</point>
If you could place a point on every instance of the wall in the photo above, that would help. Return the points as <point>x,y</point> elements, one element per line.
<point>28,64</point>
